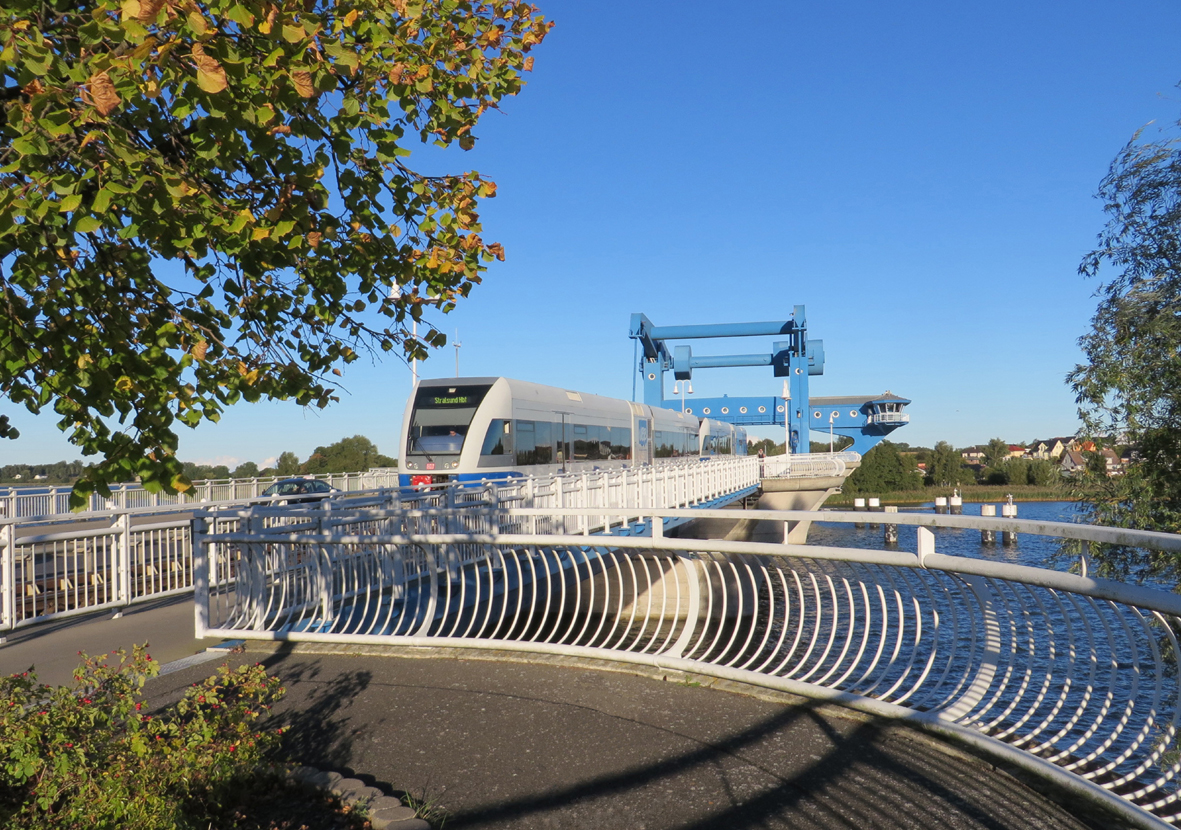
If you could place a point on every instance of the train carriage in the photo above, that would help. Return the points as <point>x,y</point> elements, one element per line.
<point>478,429</point>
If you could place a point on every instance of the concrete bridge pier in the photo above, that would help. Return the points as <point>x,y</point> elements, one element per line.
<point>797,494</point>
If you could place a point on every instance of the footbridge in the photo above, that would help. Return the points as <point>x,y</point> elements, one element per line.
<point>1069,677</point>
<point>66,564</point>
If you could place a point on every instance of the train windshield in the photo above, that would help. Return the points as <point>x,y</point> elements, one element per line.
<point>441,418</point>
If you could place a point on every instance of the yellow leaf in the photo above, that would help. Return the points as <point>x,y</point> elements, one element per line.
<point>351,17</point>
<point>303,83</point>
<point>268,24</point>
<point>260,233</point>
<point>210,75</point>
<point>198,23</point>
<point>123,384</point>
<point>199,349</point>
<point>130,9</point>
<point>20,25</point>
<point>102,93</point>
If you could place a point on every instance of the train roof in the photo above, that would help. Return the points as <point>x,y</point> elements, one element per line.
<point>541,394</point>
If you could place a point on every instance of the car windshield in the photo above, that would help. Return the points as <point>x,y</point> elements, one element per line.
<point>285,488</point>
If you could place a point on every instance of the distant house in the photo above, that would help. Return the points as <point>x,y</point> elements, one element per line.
<point>1072,462</point>
<point>1048,450</point>
<point>1075,460</point>
<point>1016,451</point>
<point>973,455</point>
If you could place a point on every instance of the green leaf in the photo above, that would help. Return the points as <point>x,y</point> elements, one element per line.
<point>88,224</point>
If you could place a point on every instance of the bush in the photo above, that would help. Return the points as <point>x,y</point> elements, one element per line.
<point>91,756</point>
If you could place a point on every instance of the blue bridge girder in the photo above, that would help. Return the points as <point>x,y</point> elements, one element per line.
<point>866,419</point>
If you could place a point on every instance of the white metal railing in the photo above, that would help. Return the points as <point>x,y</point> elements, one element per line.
<point>51,569</point>
<point>1072,677</point>
<point>888,418</point>
<point>808,465</point>
<point>38,502</point>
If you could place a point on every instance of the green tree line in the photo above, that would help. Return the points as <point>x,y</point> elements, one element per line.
<point>348,455</point>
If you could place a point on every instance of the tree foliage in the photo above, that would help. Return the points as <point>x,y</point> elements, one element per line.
<point>1130,385</point>
<point>883,470</point>
<point>348,455</point>
<point>209,201</point>
<point>945,466</point>
<point>996,452</point>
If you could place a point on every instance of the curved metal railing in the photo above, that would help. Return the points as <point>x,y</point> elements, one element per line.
<point>1071,676</point>
<point>799,465</point>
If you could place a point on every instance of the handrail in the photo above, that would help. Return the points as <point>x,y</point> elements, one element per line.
<point>76,564</point>
<point>1070,676</point>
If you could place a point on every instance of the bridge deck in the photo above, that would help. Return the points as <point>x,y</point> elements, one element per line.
<point>509,744</point>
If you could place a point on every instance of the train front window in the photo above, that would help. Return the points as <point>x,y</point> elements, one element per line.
<point>441,418</point>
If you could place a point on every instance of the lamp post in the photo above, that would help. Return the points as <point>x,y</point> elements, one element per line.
<point>396,294</point>
<point>681,390</point>
<point>831,415</point>
<point>786,418</point>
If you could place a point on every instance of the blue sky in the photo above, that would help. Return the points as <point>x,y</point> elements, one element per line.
<point>919,175</point>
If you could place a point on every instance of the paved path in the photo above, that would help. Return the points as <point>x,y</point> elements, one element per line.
<point>166,625</point>
<point>532,745</point>
<point>502,744</point>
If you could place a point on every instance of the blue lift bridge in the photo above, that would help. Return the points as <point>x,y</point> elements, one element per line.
<point>866,419</point>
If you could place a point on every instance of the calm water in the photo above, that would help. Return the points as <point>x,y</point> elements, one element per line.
<point>1029,550</point>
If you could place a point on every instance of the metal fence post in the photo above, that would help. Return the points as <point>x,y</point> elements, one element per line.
<point>123,591</point>
<point>7,578</point>
<point>199,529</point>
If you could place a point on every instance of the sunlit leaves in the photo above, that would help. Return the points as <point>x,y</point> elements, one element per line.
<point>210,201</point>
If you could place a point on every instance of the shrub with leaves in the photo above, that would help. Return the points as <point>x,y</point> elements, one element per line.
<point>93,756</point>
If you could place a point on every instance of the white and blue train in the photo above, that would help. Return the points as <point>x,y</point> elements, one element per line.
<point>477,429</point>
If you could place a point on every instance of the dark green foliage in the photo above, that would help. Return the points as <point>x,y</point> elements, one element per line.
<point>883,470</point>
<point>288,464</point>
<point>247,469</point>
<point>996,453</point>
<point>93,757</point>
<point>946,468</point>
<point>348,455</point>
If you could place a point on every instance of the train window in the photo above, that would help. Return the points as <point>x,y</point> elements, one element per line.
<point>525,438</point>
<point>544,451</point>
<point>441,417</point>
<point>620,442</point>
<point>499,439</point>
<point>533,442</point>
<point>586,448</point>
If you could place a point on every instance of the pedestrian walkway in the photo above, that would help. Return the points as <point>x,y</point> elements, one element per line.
<point>526,743</point>
<point>166,625</point>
